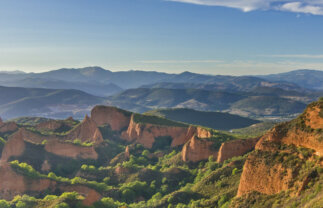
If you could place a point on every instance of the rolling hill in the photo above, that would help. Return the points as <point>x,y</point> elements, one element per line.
<point>17,102</point>
<point>96,79</point>
<point>310,79</point>
<point>215,120</point>
<point>91,87</point>
<point>170,98</point>
<point>258,103</point>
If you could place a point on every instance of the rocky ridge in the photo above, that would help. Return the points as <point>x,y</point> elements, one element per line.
<point>276,164</point>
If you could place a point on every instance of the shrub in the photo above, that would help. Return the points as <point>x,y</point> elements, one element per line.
<point>128,195</point>
<point>4,204</point>
<point>25,169</point>
<point>234,171</point>
<point>62,205</point>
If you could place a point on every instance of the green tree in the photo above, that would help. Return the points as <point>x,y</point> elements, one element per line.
<point>128,195</point>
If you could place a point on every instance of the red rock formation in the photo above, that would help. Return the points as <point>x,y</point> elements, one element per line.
<point>203,133</point>
<point>117,119</point>
<point>7,126</point>
<point>236,148</point>
<point>127,153</point>
<point>290,133</point>
<point>70,150</point>
<point>145,134</point>
<point>12,184</point>
<point>45,167</point>
<point>266,179</point>
<point>304,131</point>
<point>32,137</point>
<point>87,131</point>
<point>15,146</point>
<point>198,149</point>
<point>121,170</point>
<point>50,125</point>
<point>90,195</point>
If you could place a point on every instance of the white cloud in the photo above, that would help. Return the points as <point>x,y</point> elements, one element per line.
<point>303,8</point>
<point>314,7</point>
<point>302,56</point>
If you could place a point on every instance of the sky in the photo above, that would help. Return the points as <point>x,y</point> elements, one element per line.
<point>237,37</point>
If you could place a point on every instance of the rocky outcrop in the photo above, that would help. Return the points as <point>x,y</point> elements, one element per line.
<point>7,126</point>
<point>305,131</point>
<point>15,146</point>
<point>70,150</point>
<point>87,131</point>
<point>32,137</point>
<point>116,118</point>
<point>236,148</point>
<point>203,133</point>
<point>127,152</point>
<point>45,167</point>
<point>198,149</point>
<point>12,183</point>
<point>50,125</point>
<point>263,178</point>
<point>90,195</point>
<point>121,157</point>
<point>201,149</point>
<point>269,176</point>
<point>146,133</point>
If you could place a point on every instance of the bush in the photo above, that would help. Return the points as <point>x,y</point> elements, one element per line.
<point>62,205</point>
<point>128,195</point>
<point>25,169</point>
<point>4,204</point>
<point>234,171</point>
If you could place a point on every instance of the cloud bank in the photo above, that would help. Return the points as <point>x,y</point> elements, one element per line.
<point>314,7</point>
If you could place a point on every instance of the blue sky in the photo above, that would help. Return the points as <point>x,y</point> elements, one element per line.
<point>203,36</point>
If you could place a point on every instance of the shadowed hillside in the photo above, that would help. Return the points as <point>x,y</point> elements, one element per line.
<point>215,120</point>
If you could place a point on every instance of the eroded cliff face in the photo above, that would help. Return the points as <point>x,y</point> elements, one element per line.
<point>264,178</point>
<point>12,183</point>
<point>89,194</point>
<point>270,176</point>
<point>87,131</point>
<point>15,146</point>
<point>56,125</point>
<point>70,150</point>
<point>305,131</point>
<point>201,149</point>
<point>104,115</point>
<point>198,149</point>
<point>145,133</point>
<point>236,148</point>
<point>7,126</point>
<point>51,125</point>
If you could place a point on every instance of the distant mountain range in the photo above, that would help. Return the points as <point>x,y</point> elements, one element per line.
<point>269,95</point>
<point>278,103</point>
<point>309,79</point>
<point>101,82</point>
<point>16,102</point>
